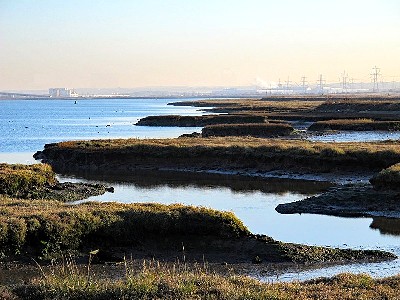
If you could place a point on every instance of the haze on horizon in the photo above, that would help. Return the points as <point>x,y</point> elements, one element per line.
<point>95,43</point>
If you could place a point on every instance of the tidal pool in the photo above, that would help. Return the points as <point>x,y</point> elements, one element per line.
<point>254,202</point>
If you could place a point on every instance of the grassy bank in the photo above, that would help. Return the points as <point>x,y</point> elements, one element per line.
<point>360,105</point>
<point>355,125</point>
<point>312,108</point>
<point>199,121</point>
<point>155,281</point>
<point>21,180</point>
<point>255,130</point>
<point>38,181</point>
<point>228,153</point>
<point>47,227</point>
<point>255,105</point>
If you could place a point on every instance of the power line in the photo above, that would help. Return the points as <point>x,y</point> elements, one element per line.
<point>321,82</point>
<point>344,81</point>
<point>287,84</point>
<point>376,72</point>
<point>303,83</point>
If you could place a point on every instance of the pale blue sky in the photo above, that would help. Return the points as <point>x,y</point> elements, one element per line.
<point>93,43</point>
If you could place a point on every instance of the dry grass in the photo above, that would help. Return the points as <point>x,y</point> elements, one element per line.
<point>154,280</point>
<point>19,180</point>
<point>48,227</point>
<point>357,105</point>
<point>229,142</point>
<point>255,130</point>
<point>356,125</point>
<point>365,155</point>
<point>199,121</point>
<point>264,105</point>
<point>311,108</point>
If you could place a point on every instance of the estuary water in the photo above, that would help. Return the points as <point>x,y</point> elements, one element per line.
<point>26,125</point>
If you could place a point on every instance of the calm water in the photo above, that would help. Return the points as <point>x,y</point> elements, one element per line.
<point>26,126</point>
<point>355,136</point>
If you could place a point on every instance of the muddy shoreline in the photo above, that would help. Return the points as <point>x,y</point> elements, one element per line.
<point>356,200</point>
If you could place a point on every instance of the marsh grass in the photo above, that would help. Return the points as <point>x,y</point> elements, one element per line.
<point>50,227</point>
<point>359,105</point>
<point>355,125</point>
<point>199,121</point>
<point>20,180</point>
<point>255,130</point>
<point>156,280</point>
<point>266,105</point>
<point>227,152</point>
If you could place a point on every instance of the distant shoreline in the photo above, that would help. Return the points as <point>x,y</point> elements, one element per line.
<point>361,96</point>
<point>131,97</point>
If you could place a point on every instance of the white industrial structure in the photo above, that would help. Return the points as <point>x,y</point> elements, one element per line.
<point>62,93</point>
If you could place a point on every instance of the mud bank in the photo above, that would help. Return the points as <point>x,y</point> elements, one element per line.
<point>360,200</point>
<point>199,121</point>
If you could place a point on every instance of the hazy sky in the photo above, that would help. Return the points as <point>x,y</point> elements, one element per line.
<point>122,43</point>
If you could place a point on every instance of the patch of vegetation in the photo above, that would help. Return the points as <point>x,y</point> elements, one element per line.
<point>255,130</point>
<point>229,153</point>
<point>355,125</point>
<point>387,179</point>
<point>21,180</point>
<point>157,281</point>
<point>357,105</point>
<point>39,182</point>
<point>256,105</point>
<point>309,108</point>
<point>199,121</point>
<point>49,227</point>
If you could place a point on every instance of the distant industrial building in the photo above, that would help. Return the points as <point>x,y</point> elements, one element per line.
<point>62,93</point>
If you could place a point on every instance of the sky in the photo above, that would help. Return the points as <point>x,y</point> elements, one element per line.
<point>148,43</point>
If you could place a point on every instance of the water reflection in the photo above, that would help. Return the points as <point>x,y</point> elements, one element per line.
<point>389,226</point>
<point>152,179</point>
